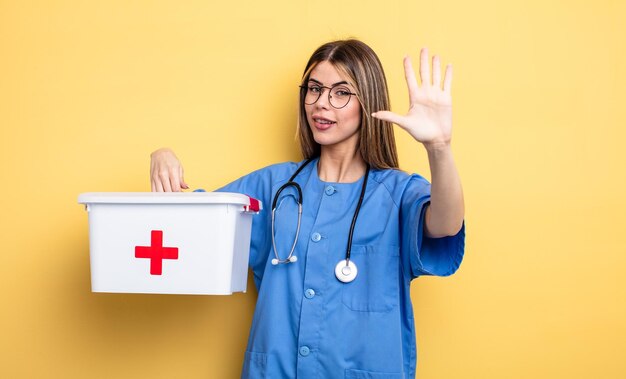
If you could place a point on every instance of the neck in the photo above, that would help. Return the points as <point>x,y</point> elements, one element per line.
<point>340,167</point>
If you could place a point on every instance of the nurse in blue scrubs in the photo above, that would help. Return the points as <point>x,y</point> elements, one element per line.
<point>335,302</point>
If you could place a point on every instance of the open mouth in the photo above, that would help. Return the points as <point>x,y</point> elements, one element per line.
<point>322,123</point>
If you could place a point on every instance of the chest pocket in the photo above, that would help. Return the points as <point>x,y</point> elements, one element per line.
<point>376,287</point>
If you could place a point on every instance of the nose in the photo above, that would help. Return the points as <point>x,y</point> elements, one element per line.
<point>323,100</point>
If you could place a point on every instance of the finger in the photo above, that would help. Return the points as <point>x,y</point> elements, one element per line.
<point>183,184</point>
<point>389,116</point>
<point>436,72</point>
<point>165,182</point>
<point>158,186</point>
<point>424,67</point>
<point>447,79</point>
<point>411,81</point>
<point>155,183</point>
<point>175,183</point>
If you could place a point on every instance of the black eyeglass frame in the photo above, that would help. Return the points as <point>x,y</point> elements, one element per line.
<point>330,89</point>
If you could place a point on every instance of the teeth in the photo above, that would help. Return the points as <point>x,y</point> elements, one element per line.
<point>324,121</point>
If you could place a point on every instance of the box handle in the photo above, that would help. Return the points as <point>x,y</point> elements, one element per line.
<point>254,205</point>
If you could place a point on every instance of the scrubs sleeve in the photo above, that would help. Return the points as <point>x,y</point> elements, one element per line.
<point>256,185</point>
<point>421,254</point>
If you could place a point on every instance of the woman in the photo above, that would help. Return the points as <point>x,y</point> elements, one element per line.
<point>337,302</point>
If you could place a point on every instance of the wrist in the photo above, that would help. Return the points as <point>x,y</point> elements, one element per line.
<point>437,146</point>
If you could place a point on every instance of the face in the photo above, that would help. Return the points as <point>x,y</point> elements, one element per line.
<point>332,127</point>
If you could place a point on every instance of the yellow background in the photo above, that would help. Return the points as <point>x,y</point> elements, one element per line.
<point>88,89</point>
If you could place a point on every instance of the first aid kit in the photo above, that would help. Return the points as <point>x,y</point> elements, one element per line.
<point>169,243</point>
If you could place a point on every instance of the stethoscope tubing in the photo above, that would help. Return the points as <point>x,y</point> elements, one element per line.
<point>290,183</point>
<point>345,273</point>
<point>356,215</point>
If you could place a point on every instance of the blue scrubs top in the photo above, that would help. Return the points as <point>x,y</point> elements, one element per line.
<point>308,324</point>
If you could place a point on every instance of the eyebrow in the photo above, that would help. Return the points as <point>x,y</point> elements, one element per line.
<point>332,85</point>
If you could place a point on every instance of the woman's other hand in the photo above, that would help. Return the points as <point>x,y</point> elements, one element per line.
<point>166,172</point>
<point>429,119</point>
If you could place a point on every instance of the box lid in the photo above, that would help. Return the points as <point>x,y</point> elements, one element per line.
<point>168,198</point>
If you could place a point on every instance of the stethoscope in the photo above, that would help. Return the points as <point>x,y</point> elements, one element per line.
<point>345,270</point>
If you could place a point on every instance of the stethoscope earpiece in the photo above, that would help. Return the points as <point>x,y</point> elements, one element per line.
<point>291,259</point>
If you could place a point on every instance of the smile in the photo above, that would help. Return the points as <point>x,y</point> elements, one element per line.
<point>322,123</point>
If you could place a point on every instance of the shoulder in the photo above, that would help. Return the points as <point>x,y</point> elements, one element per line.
<point>269,176</point>
<point>276,172</point>
<point>259,183</point>
<point>399,184</point>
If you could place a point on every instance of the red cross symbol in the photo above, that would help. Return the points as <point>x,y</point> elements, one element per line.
<point>156,252</point>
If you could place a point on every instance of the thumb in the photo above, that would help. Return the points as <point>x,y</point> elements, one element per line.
<point>389,116</point>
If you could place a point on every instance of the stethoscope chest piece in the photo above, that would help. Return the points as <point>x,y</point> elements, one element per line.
<point>345,272</point>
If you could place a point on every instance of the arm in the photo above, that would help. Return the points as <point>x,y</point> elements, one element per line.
<point>444,216</point>
<point>429,121</point>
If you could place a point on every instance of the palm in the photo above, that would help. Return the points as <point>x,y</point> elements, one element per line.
<point>429,119</point>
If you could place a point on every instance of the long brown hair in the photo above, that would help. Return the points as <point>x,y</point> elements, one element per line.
<point>361,66</point>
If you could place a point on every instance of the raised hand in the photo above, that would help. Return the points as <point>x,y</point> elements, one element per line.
<point>429,119</point>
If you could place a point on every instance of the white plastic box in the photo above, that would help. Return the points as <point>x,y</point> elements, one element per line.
<point>169,243</point>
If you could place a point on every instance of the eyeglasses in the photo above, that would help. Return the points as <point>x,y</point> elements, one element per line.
<point>338,96</point>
